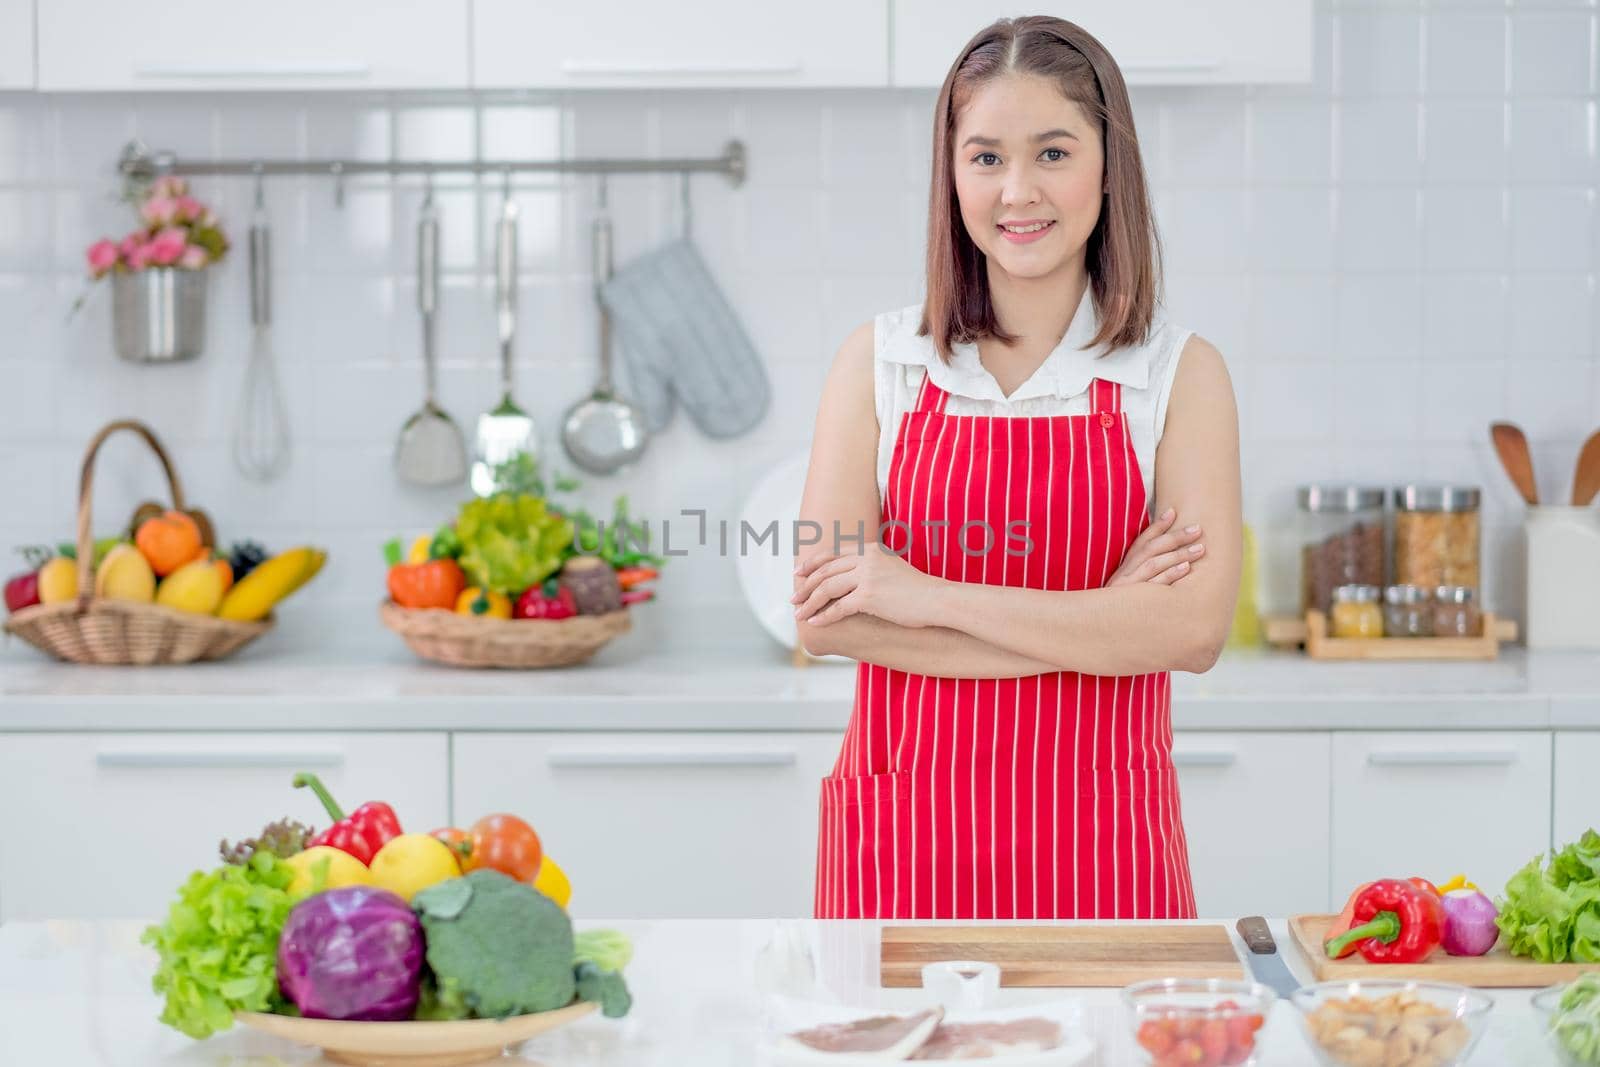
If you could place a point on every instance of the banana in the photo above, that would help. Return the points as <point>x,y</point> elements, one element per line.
<point>272,581</point>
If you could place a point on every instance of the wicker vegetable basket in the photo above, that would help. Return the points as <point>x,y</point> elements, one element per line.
<point>516,644</point>
<point>93,630</point>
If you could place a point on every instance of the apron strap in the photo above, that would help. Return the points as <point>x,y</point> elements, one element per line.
<point>930,397</point>
<point>1105,398</point>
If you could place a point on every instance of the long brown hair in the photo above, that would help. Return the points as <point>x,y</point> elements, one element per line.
<point>1123,252</point>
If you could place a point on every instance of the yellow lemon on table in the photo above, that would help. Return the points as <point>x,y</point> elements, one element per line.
<point>552,882</point>
<point>336,867</point>
<point>411,863</point>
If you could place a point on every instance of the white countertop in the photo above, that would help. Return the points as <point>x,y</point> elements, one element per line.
<point>733,680</point>
<point>78,993</point>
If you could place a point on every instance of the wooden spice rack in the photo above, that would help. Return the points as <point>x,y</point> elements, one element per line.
<point>1311,630</point>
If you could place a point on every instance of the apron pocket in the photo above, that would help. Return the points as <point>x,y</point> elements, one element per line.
<point>864,846</point>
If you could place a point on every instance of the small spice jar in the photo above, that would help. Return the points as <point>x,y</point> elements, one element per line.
<point>1341,541</point>
<point>1455,612</point>
<point>1436,535</point>
<point>1407,612</point>
<point>1356,612</point>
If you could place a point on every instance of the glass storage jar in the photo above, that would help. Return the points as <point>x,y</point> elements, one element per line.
<point>1356,612</point>
<point>1407,612</point>
<point>1341,541</point>
<point>1455,612</point>
<point>1436,535</point>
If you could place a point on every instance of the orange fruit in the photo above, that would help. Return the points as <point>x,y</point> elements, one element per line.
<point>226,570</point>
<point>168,541</point>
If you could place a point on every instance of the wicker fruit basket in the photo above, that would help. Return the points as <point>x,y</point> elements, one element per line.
<point>517,644</point>
<point>94,630</point>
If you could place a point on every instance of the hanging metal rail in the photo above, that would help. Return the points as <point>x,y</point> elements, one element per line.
<point>140,164</point>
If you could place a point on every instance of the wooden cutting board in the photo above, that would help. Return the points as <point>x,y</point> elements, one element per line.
<point>1062,956</point>
<point>1496,969</point>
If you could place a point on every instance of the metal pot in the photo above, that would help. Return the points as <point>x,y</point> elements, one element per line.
<point>158,314</point>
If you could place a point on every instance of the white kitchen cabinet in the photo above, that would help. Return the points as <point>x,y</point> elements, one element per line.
<point>1155,42</point>
<point>661,825</point>
<point>290,44</point>
<point>16,44</point>
<point>1438,804</point>
<point>1255,810</point>
<point>710,43</point>
<point>1577,786</point>
<point>109,825</point>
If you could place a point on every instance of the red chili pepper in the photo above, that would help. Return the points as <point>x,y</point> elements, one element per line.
<point>637,596</point>
<point>1396,922</point>
<point>362,833</point>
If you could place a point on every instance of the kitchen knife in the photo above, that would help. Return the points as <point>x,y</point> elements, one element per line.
<point>1265,963</point>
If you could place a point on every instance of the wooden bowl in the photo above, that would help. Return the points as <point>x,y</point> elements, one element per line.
<point>414,1044</point>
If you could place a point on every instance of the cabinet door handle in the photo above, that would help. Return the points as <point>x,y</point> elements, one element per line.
<point>1205,758</point>
<point>667,757</point>
<point>1442,757</point>
<point>193,71</point>
<point>180,759</point>
<point>591,67</point>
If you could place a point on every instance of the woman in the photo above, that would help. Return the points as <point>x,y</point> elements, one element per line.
<point>1010,750</point>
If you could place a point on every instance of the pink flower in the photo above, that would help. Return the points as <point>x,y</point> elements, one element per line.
<point>169,187</point>
<point>159,211</point>
<point>188,209</point>
<point>139,257</point>
<point>166,246</point>
<point>194,257</point>
<point>102,257</point>
<point>129,243</point>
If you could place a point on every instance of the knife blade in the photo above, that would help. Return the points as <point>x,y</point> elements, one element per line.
<point>1264,961</point>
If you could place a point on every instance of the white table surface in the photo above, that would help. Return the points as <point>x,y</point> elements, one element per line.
<point>77,993</point>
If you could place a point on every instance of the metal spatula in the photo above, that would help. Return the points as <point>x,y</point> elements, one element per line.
<point>431,450</point>
<point>507,430</point>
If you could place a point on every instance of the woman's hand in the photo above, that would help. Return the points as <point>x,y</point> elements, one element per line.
<point>1160,554</point>
<point>830,587</point>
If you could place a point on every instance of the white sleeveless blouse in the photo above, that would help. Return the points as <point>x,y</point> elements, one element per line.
<point>1059,387</point>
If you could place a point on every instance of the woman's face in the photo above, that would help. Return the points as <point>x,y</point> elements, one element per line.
<point>1007,173</point>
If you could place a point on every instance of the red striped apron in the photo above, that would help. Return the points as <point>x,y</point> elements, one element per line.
<point>1052,796</point>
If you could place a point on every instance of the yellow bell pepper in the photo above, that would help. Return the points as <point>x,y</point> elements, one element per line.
<point>1458,882</point>
<point>552,882</point>
<point>491,605</point>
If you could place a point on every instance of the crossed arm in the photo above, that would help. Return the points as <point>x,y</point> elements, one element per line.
<point>1168,607</point>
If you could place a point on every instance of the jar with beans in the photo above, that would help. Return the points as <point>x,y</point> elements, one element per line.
<point>1436,536</point>
<point>1455,612</point>
<point>1341,541</point>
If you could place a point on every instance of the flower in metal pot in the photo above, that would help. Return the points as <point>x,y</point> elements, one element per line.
<point>175,230</point>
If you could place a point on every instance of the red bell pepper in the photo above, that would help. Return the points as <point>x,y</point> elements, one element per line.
<point>1346,918</point>
<point>362,833</point>
<point>1395,922</point>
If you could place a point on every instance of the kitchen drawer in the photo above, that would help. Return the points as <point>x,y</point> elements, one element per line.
<point>109,825</point>
<point>661,825</point>
<point>1255,809</point>
<point>191,45</point>
<point>1577,787</point>
<point>16,44</point>
<point>605,44</point>
<point>1438,804</point>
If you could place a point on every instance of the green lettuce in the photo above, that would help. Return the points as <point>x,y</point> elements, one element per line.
<point>219,945</point>
<point>511,541</point>
<point>1551,913</point>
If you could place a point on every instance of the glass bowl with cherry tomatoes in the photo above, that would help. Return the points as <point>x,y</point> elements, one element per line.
<point>1196,1022</point>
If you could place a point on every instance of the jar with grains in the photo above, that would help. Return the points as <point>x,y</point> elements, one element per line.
<point>1407,612</point>
<point>1455,612</point>
<point>1356,612</point>
<point>1341,541</point>
<point>1436,535</point>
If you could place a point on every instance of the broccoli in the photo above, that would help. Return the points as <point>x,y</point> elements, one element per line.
<point>497,946</point>
<point>605,988</point>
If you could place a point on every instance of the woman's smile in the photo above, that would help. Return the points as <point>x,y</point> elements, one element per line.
<point>1022,233</point>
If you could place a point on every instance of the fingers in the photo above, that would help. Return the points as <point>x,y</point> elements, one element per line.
<point>1158,526</point>
<point>833,588</point>
<point>819,574</point>
<point>1171,575</point>
<point>1156,566</point>
<point>839,609</point>
<point>806,566</point>
<point>1172,540</point>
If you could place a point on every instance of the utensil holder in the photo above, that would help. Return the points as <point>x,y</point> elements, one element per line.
<point>158,315</point>
<point>1563,567</point>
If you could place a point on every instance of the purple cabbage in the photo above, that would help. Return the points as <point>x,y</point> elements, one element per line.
<point>352,953</point>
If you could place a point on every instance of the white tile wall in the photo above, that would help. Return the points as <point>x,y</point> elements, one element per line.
<point>1389,257</point>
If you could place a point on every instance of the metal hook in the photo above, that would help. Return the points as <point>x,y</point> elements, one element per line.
<point>427,187</point>
<point>601,183</point>
<point>688,210</point>
<point>259,171</point>
<point>506,183</point>
<point>337,170</point>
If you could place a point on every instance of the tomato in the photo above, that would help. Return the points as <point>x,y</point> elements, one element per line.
<point>1214,1040</point>
<point>1185,1027</point>
<point>1156,1037</point>
<point>460,843</point>
<point>506,844</point>
<point>1188,1053</point>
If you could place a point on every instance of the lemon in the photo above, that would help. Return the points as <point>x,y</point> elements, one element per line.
<point>552,882</point>
<point>411,863</point>
<point>337,867</point>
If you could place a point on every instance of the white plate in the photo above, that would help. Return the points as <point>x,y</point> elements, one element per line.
<point>787,1015</point>
<point>768,580</point>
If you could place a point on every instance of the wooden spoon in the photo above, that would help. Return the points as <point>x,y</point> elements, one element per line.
<point>1586,479</point>
<point>1511,444</point>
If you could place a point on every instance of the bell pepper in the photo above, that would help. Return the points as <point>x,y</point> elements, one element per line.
<point>362,833</point>
<point>1395,922</point>
<point>1458,882</point>
<point>1346,917</point>
<point>548,601</point>
<point>435,583</point>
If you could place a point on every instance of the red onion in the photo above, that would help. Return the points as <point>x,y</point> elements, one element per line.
<point>1469,928</point>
